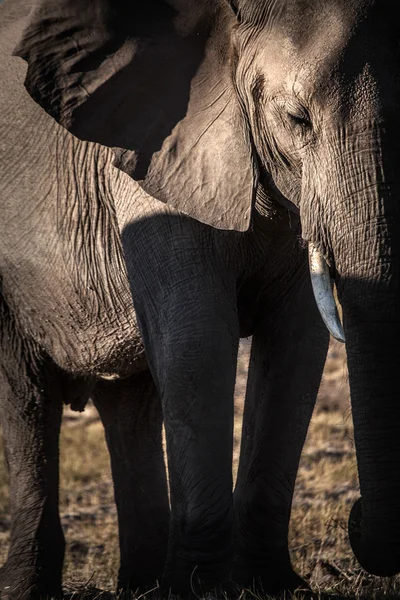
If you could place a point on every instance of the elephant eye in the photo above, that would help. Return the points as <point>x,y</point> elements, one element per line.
<point>299,119</point>
<point>294,122</point>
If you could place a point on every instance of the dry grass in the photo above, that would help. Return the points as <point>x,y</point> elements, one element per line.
<point>326,487</point>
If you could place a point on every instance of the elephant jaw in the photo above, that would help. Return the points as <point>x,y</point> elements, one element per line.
<point>322,287</point>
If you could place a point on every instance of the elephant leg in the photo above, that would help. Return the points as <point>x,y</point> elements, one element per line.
<point>287,359</point>
<point>196,375</point>
<point>195,370</point>
<point>186,307</point>
<point>131,413</point>
<point>30,414</point>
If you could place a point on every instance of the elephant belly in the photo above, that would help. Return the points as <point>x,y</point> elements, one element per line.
<point>97,338</point>
<point>84,320</point>
<point>104,350</point>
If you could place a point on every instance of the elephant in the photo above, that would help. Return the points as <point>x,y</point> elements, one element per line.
<point>169,171</point>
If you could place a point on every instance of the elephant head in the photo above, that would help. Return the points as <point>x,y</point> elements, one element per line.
<point>208,102</point>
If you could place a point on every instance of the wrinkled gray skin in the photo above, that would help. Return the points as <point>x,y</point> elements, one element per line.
<point>265,123</point>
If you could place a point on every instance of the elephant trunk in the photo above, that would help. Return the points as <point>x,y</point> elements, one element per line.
<point>367,268</point>
<point>374,524</point>
<point>353,217</point>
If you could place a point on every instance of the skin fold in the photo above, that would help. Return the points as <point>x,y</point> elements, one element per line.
<point>161,175</point>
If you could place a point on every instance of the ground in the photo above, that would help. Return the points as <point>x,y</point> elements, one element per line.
<point>326,488</point>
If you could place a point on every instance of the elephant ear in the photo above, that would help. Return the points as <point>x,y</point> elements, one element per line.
<point>152,80</point>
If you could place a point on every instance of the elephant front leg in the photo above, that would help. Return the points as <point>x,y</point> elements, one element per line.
<point>197,382</point>
<point>287,358</point>
<point>192,352</point>
<point>186,307</point>
<point>132,417</point>
<point>31,408</point>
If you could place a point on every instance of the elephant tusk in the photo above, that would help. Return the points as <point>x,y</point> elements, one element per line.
<point>322,287</point>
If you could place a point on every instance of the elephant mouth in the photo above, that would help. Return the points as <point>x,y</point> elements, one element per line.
<point>322,286</point>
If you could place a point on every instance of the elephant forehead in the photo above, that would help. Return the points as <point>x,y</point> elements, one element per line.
<point>293,66</point>
<point>291,45</point>
<point>337,55</point>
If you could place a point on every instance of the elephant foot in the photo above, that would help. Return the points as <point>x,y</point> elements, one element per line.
<point>130,590</point>
<point>94,593</point>
<point>194,577</point>
<point>141,582</point>
<point>274,579</point>
<point>27,583</point>
<point>225,591</point>
<point>277,587</point>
